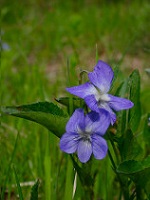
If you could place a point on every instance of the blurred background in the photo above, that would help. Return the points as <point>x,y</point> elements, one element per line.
<point>38,39</point>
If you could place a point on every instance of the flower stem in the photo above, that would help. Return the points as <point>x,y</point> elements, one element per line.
<point>114,147</point>
<point>123,188</point>
<point>112,160</point>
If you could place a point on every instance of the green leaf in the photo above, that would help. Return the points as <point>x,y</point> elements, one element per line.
<point>128,146</point>
<point>146,131</point>
<point>122,91</point>
<point>138,171</point>
<point>135,112</point>
<point>130,89</point>
<point>34,191</point>
<point>45,113</point>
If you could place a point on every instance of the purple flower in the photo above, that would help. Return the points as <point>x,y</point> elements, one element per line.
<point>84,135</point>
<point>95,92</point>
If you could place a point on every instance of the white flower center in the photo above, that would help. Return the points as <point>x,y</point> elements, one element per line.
<point>100,97</point>
<point>85,135</point>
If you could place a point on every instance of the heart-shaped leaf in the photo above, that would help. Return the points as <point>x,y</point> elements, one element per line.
<point>138,171</point>
<point>128,146</point>
<point>45,113</point>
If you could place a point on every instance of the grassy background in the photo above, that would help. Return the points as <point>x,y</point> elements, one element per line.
<point>42,36</point>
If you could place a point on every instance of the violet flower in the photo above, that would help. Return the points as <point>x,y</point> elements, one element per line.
<point>84,134</point>
<point>95,92</point>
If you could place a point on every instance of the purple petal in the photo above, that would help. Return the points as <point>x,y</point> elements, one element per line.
<point>113,118</point>
<point>118,103</point>
<point>82,90</point>
<point>100,147</point>
<point>69,142</point>
<point>84,150</point>
<point>97,123</point>
<point>105,106</point>
<point>102,76</point>
<point>91,102</point>
<point>76,121</point>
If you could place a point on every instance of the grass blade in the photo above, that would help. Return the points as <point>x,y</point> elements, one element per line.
<point>9,166</point>
<point>47,170</point>
<point>34,191</point>
<point>18,184</point>
<point>69,182</point>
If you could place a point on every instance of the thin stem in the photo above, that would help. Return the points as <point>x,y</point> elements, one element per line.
<point>114,166</point>
<point>114,148</point>
<point>124,190</point>
<point>96,53</point>
<point>112,160</point>
<point>69,83</point>
<point>81,75</point>
<point>120,195</point>
<point>68,71</point>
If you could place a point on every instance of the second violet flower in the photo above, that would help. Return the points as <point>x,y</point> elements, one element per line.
<point>84,135</point>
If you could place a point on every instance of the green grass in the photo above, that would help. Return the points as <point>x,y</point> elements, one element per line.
<point>42,36</point>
